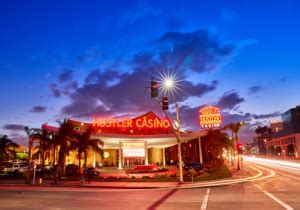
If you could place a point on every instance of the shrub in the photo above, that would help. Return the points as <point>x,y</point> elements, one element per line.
<point>111,178</point>
<point>72,170</point>
<point>173,176</point>
<point>161,176</point>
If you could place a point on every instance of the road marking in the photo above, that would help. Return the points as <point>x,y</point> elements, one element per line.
<point>205,200</point>
<point>286,206</point>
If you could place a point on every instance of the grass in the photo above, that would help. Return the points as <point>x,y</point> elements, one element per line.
<point>221,172</point>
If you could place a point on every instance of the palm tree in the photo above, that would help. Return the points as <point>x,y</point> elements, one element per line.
<point>54,144</point>
<point>84,143</point>
<point>64,137</point>
<point>235,129</point>
<point>45,140</point>
<point>7,148</point>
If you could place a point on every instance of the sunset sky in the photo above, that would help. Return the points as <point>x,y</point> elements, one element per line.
<point>76,59</point>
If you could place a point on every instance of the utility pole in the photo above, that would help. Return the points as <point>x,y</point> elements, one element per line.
<point>164,104</point>
<point>179,145</point>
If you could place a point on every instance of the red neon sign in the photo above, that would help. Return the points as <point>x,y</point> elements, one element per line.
<point>210,117</point>
<point>107,122</point>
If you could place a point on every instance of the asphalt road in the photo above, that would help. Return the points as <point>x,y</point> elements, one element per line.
<point>279,192</point>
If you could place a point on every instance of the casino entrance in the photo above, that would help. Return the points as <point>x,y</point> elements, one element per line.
<point>133,161</point>
<point>133,152</point>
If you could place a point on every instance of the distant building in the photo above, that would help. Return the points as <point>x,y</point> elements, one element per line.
<point>291,121</point>
<point>276,126</point>
<point>285,139</point>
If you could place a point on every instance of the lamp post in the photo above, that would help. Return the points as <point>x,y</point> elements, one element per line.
<point>169,84</point>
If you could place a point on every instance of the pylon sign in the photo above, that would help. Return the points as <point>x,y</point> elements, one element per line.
<point>210,117</point>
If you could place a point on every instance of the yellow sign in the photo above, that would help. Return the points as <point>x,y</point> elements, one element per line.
<point>210,117</point>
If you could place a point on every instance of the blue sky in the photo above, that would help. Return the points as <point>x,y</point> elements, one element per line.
<point>50,50</point>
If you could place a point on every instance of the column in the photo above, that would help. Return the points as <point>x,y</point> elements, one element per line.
<point>164,156</point>
<point>120,156</point>
<point>296,151</point>
<point>146,153</point>
<point>200,150</point>
<point>94,161</point>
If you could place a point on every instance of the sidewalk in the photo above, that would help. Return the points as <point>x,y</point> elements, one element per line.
<point>131,185</point>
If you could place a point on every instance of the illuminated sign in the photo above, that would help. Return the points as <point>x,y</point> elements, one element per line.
<point>210,117</point>
<point>144,122</point>
<point>133,150</point>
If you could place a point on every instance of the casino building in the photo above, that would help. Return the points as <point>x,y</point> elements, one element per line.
<point>146,139</point>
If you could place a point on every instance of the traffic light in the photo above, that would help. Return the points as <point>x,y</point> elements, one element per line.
<point>154,88</point>
<point>240,148</point>
<point>165,103</point>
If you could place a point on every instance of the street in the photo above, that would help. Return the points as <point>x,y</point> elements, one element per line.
<point>282,191</point>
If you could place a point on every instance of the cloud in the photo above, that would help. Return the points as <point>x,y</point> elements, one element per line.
<point>255,89</point>
<point>199,51</point>
<point>14,127</point>
<point>38,109</point>
<point>55,90</point>
<point>141,11</point>
<point>66,75</point>
<point>230,100</point>
<point>109,91</point>
<point>65,84</point>
<point>19,139</point>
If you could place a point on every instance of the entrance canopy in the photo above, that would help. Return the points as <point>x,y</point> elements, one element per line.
<point>159,141</point>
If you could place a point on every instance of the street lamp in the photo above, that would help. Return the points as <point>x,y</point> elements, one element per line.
<point>168,85</point>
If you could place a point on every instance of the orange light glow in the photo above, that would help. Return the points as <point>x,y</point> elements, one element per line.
<point>210,117</point>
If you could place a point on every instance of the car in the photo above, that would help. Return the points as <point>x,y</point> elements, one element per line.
<point>92,171</point>
<point>16,168</point>
<point>194,165</point>
<point>5,165</point>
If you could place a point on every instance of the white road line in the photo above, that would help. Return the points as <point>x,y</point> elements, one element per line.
<point>286,206</point>
<point>205,200</point>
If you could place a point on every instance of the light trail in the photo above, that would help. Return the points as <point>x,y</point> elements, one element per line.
<point>278,164</point>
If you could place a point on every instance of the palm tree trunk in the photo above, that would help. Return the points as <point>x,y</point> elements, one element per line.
<point>54,153</point>
<point>79,163</point>
<point>85,161</point>
<point>43,159</point>
<point>237,149</point>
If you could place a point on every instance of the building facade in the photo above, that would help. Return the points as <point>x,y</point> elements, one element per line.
<point>146,139</point>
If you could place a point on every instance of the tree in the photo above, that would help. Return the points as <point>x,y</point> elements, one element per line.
<point>7,148</point>
<point>83,143</point>
<point>45,140</point>
<point>33,135</point>
<point>214,142</point>
<point>235,129</point>
<point>64,137</point>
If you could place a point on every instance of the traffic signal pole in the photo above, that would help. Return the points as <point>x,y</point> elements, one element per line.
<point>176,133</point>
<point>238,154</point>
